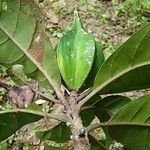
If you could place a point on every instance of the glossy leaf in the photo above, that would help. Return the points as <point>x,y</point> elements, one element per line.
<point>105,108</point>
<point>131,125</point>
<point>60,134</point>
<point>98,61</point>
<point>108,106</point>
<point>128,68</point>
<point>13,120</point>
<point>22,42</point>
<point>87,117</point>
<point>75,54</point>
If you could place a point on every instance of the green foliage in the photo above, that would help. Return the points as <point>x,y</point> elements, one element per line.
<point>26,41</point>
<point>95,144</point>
<point>75,55</point>
<point>27,53</point>
<point>11,121</point>
<point>60,134</point>
<point>131,124</point>
<point>126,65</point>
<point>98,61</point>
<point>134,7</point>
<point>108,106</point>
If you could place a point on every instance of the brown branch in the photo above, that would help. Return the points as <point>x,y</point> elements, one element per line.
<point>85,99</point>
<point>50,98</point>
<point>57,117</point>
<point>93,127</point>
<point>83,94</point>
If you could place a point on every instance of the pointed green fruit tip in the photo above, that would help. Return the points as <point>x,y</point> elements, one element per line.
<point>76,13</point>
<point>76,16</point>
<point>77,22</point>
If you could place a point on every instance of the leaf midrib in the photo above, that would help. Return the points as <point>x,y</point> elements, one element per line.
<point>97,89</point>
<point>29,56</point>
<point>124,124</point>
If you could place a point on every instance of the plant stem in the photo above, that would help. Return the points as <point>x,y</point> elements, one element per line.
<point>79,133</point>
<point>84,94</point>
<point>50,98</point>
<point>84,100</point>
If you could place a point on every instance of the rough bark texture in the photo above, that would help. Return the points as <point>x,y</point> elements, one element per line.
<point>79,134</point>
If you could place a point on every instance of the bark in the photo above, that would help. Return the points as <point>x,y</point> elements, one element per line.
<point>79,134</point>
<point>80,137</point>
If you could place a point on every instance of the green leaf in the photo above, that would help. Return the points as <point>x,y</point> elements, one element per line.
<point>17,74</point>
<point>128,68</point>
<point>146,5</point>
<point>87,117</point>
<point>13,120</point>
<point>77,24</point>
<point>98,61</point>
<point>48,147</point>
<point>105,108</point>
<point>34,107</point>
<point>22,42</point>
<point>60,134</point>
<point>75,55</point>
<point>131,125</point>
<point>95,144</point>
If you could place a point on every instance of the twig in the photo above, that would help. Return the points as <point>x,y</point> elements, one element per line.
<point>84,94</point>
<point>50,98</point>
<point>93,127</point>
<point>57,117</point>
<point>84,100</point>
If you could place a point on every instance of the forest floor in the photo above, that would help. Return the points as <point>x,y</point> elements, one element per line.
<point>111,22</point>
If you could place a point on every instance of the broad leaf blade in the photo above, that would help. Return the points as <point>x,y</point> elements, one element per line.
<point>128,67</point>
<point>87,117</point>
<point>95,144</point>
<point>131,125</point>
<point>7,8</point>
<point>75,54</point>
<point>60,134</point>
<point>98,61</point>
<point>11,121</point>
<point>108,106</point>
<point>25,44</point>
